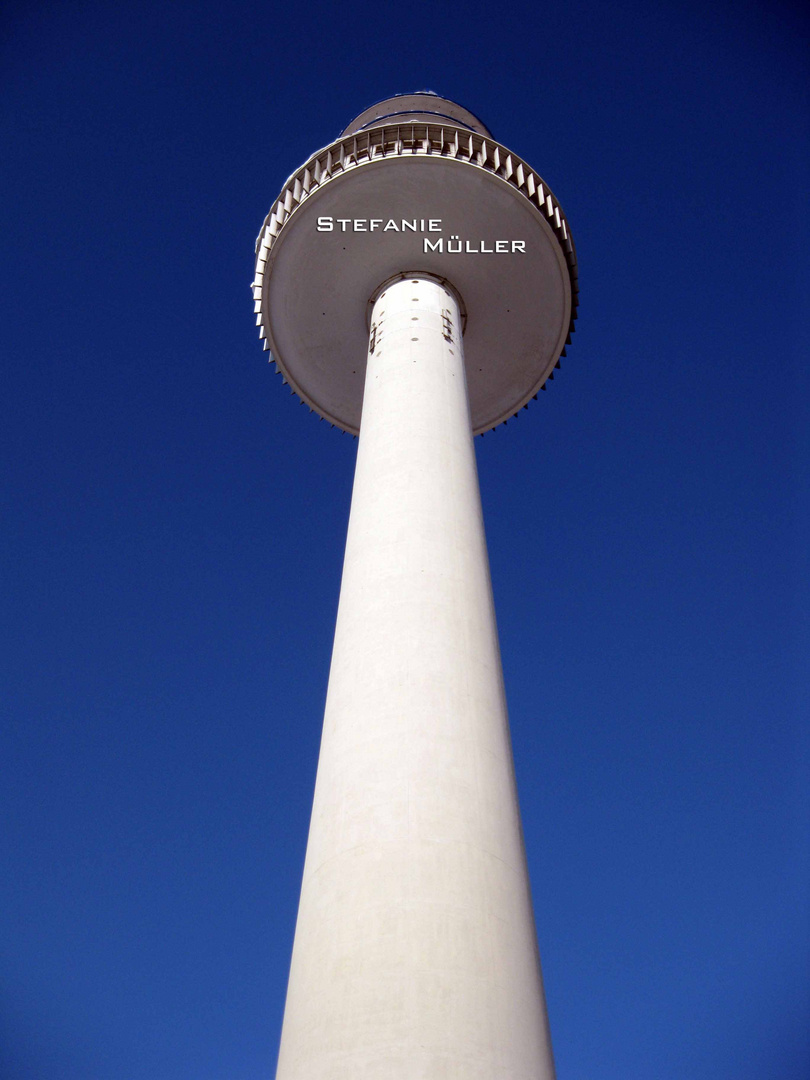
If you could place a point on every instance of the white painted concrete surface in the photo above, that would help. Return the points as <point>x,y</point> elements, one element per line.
<point>415,953</point>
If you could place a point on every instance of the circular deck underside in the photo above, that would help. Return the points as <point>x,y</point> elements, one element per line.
<point>314,286</point>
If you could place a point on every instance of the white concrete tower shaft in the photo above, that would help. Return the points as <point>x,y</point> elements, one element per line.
<point>415,952</point>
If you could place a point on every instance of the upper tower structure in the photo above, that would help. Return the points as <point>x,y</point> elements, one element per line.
<point>379,190</point>
<point>416,283</point>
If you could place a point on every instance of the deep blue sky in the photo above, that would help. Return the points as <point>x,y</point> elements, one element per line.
<point>174,526</point>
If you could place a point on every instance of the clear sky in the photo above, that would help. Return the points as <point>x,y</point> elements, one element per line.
<point>174,524</point>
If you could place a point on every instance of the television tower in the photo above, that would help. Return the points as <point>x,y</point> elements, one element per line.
<point>419,275</point>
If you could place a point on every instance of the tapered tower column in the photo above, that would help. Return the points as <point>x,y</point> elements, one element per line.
<point>415,951</point>
<point>416,284</point>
